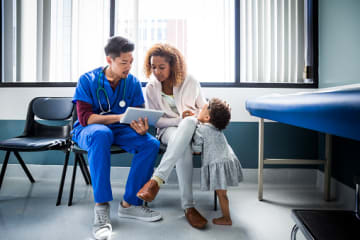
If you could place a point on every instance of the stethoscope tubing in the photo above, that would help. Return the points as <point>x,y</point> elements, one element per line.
<point>100,88</point>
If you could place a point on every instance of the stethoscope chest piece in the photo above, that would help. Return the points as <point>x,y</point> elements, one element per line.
<point>100,88</point>
<point>122,103</point>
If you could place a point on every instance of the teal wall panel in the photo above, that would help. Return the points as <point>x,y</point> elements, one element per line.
<point>346,160</point>
<point>281,141</point>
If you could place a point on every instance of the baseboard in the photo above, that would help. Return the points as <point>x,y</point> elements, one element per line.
<point>343,194</point>
<point>119,174</point>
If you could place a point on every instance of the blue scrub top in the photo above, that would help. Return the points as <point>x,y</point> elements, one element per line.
<point>87,87</point>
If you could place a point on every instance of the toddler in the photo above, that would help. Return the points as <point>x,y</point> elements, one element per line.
<point>220,166</point>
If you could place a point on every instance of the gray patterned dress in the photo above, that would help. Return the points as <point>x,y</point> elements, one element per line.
<point>220,167</point>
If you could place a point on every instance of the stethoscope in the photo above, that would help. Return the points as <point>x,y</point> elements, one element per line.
<point>100,88</point>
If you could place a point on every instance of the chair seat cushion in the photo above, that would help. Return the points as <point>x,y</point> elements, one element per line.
<point>33,143</point>
<point>114,149</point>
<point>162,148</point>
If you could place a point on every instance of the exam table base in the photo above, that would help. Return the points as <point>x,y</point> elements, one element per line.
<point>267,161</point>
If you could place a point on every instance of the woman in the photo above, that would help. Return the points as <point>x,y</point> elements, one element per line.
<point>179,96</point>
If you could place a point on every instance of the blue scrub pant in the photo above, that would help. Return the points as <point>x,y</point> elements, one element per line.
<point>97,139</point>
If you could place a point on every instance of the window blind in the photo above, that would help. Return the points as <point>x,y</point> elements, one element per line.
<point>272,41</point>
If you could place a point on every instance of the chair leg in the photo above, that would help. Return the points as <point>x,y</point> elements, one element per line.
<point>294,231</point>
<point>62,180</point>
<point>86,168</point>
<point>215,201</point>
<point>22,163</point>
<point>3,168</point>
<point>357,197</point>
<point>261,159</point>
<point>82,166</point>
<point>73,180</point>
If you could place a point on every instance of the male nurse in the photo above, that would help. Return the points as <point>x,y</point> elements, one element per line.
<point>102,96</point>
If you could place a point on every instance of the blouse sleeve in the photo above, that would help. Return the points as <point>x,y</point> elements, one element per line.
<point>200,100</point>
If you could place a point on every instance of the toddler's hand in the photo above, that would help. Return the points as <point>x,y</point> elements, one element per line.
<point>187,113</point>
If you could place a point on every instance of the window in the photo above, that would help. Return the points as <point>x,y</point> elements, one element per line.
<point>272,42</point>
<point>261,43</point>
<point>53,41</point>
<point>205,37</point>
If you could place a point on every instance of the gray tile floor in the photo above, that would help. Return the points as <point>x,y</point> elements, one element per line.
<point>28,211</point>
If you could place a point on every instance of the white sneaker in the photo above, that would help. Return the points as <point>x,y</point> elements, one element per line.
<point>139,212</point>
<point>102,226</point>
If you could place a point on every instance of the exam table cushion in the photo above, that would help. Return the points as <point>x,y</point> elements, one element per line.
<point>335,112</point>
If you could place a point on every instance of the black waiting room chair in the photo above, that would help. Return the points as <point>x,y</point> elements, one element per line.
<point>79,160</point>
<point>48,124</point>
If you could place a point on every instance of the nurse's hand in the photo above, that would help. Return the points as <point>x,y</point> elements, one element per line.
<point>141,126</point>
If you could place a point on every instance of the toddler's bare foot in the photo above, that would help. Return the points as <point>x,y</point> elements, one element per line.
<point>222,221</point>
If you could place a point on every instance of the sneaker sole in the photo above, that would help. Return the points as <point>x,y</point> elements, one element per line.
<point>103,233</point>
<point>145,219</point>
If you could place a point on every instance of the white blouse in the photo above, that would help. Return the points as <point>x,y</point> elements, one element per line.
<point>187,96</point>
<point>169,99</point>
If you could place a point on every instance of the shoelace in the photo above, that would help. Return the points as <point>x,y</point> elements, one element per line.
<point>146,209</point>
<point>102,218</point>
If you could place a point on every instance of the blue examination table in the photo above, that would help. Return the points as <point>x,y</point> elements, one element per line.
<point>333,112</point>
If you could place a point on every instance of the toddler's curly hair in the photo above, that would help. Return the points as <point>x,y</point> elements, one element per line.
<point>220,113</point>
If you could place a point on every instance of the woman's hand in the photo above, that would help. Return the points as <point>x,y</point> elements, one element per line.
<point>141,126</point>
<point>187,113</point>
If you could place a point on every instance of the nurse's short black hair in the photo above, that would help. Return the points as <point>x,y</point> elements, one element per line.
<point>117,45</point>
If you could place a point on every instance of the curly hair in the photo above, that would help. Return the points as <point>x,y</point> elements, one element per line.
<point>219,112</point>
<point>173,56</point>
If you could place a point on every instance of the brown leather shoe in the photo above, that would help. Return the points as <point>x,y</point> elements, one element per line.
<point>195,218</point>
<point>148,191</point>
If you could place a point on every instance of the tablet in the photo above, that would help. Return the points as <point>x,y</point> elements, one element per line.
<point>133,113</point>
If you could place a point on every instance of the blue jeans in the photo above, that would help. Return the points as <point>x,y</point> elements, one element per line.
<point>97,139</point>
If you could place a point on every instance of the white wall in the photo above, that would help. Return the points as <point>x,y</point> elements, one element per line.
<point>14,101</point>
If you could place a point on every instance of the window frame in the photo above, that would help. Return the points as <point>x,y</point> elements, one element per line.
<point>235,84</point>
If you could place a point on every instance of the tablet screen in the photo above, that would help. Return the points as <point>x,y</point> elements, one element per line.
<point>133,113</point>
